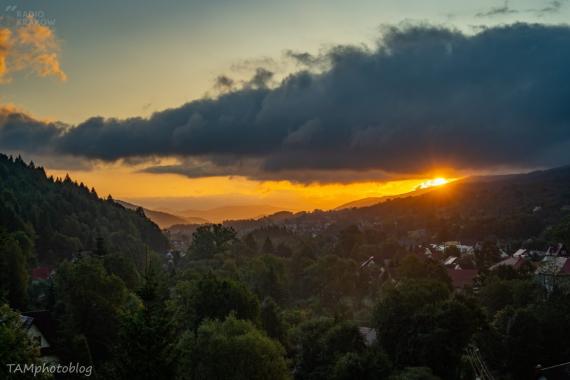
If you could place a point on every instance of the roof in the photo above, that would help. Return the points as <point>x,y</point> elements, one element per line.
<point>520,252</point>
<point>41,273</point>
<point>461,278</point>
<point>514,262</point>
<point>26,321</point>
<point>450,260</point>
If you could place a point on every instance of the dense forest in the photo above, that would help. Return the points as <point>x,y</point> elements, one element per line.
<point>62,217</point>
<point>277,302</point>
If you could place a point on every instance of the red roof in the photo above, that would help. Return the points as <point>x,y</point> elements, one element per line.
<point>461,278</point>
<point>41,273</point>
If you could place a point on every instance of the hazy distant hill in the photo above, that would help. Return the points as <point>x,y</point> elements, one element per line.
<point>219,214</point>
<point>371,201</point>
<point>164,219</point>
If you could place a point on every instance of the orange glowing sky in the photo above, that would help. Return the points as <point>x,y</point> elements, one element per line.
<point>175,192</point>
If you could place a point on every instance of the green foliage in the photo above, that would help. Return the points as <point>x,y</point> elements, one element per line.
<point>412,267</point>
<point>268,247</point>
<point>250,243</point>
<point>266,276</point>
<point>497,293</point>
<point>524,337</point>
<point>231,349</point>
<point>14,256</point>
<point>322,345</point>
<point>145,341</point>
<point>486,256</point>
<point>15,347</point>
<point>210,297</point>
<point>561,232</point>
<point>123,267</point>
<point>331,278</point>
<point>211,240</point>
<point>415,373</point>
<point>367,365</point>
<point>272,321</point>
<point>419,323</point>
<point>63,217</point>
<point>90,302</point>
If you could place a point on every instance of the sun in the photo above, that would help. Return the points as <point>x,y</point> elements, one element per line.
<point>439,181</point>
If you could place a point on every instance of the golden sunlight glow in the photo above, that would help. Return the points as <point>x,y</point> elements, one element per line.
<point>127,183</point>
<point>433,182</point>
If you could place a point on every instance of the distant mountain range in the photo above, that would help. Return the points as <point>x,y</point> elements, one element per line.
<point>220,214</point>
<point>213,215</point>
<point>164,219</point>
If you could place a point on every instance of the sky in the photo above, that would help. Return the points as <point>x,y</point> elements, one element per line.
<point>301,104</point>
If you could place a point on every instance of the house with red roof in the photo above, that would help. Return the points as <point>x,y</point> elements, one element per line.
<point>462,278</point>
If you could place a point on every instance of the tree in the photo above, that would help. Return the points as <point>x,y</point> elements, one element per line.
<point>232,349</point>
<point>486,256</point>
<point>332,278</point>
<point>321,343</point>
<point>100,246</point>
<point>368,365</point>
<point>419,324</point>
<point>265,275</point>
<point>145,339</point>
<point>212,298</point>
<point>15,347</point>
<point>211,240</point>
<point>250,243</point>
<point>267,247</point>
<point>13,271</point>
<point>349,238</point>
<point>272,321</point>
<point>90,302</point>
<point>415,373</point>
<point>412,267</point>
<point>561,232</point>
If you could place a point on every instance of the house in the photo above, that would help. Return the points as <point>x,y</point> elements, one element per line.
<point>553,272</point>
<point>41,330</point>
<point>462,278</point>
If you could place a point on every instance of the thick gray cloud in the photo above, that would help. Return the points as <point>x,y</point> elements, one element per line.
<point>422,98</point>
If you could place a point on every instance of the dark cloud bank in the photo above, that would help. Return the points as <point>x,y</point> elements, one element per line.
<point>423,97</point>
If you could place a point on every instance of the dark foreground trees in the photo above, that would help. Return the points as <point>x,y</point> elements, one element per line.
<point>231,349</point>
<point>421,324</point>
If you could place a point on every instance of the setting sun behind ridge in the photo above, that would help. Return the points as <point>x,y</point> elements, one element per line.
<point>439,181</point>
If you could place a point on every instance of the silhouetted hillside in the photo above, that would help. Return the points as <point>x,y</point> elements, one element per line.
<point>63,218</point>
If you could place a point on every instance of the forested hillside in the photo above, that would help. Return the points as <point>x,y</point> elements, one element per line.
<point>510,207</point>
<point>62,217</point>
